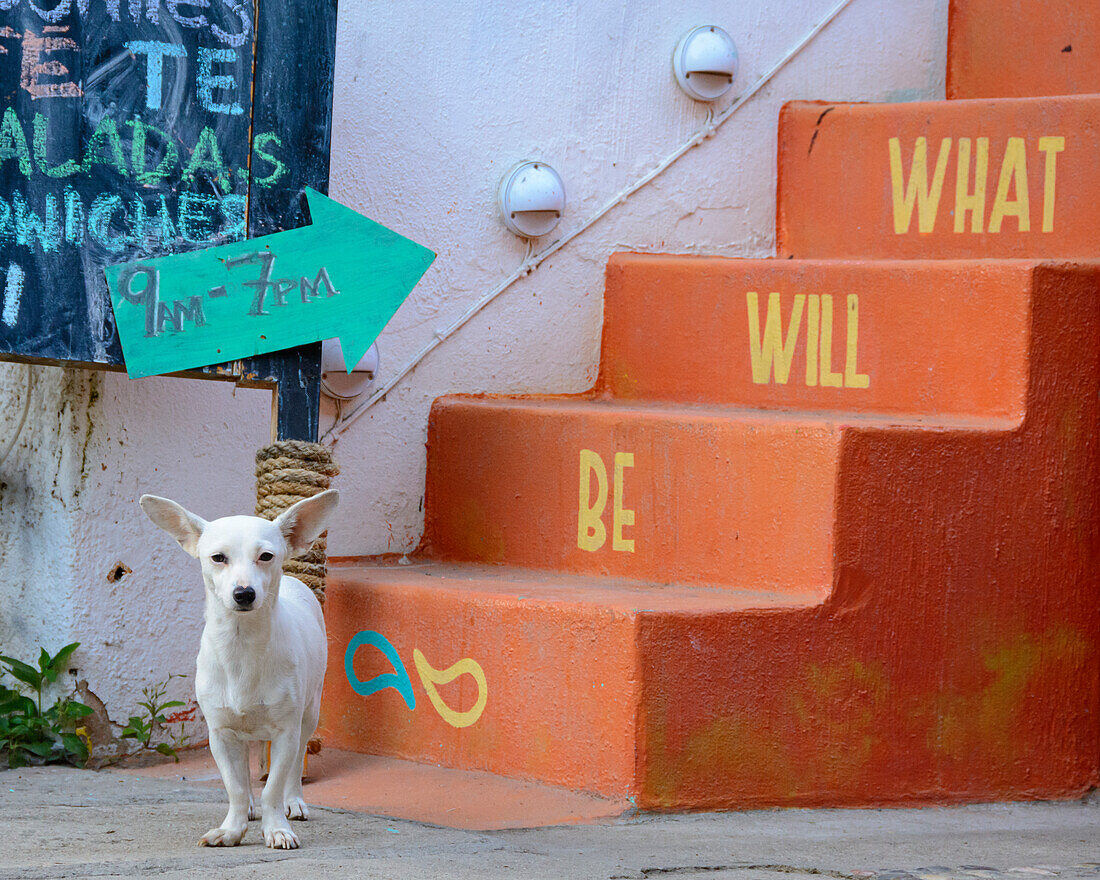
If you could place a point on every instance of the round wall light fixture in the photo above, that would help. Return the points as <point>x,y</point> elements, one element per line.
<point>336,382</point>
<point>532,199</point>
<point>705,62</point>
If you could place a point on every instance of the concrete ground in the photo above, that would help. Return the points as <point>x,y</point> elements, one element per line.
<point>61,823</point>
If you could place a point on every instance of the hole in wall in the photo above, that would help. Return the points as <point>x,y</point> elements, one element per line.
<point>118,571</point>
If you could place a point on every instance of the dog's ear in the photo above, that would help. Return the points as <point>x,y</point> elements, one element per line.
<point>181,524</point>
<point>303,523</point>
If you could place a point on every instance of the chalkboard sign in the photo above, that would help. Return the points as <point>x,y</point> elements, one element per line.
<point>133,128</point>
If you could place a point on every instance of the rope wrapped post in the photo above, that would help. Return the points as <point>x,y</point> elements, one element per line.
<point>287,472</point>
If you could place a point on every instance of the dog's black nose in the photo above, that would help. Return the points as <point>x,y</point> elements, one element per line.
<point>244,596</point>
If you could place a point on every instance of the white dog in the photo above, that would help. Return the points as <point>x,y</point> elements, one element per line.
<point>262,657</point>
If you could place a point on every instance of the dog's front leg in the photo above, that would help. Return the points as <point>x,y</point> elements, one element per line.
<point>284,752</point>
<point>231,756</point>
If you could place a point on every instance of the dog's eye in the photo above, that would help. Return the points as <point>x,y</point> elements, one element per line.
<point>266,557</point>
<point>219,558</point>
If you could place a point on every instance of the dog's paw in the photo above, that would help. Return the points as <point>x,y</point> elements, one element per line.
<point>222,837</point>
<point>296,809</point>
<point>280,838</point>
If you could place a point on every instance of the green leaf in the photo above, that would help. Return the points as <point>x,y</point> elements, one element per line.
<point>25,673</point>
<point>171,704</point>
<point>75,746</point>
<point>17,705</point>
<point>42,748</point>
<point>22,725</point>
<point>39,725</point>
<point>136,729</point>
<point>75,710</point>
<point>60,660</point>
<point>44,661</point>
<point>165,749</point>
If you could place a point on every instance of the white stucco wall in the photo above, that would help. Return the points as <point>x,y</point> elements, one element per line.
<point>432,106</point>
<point>92,445</point>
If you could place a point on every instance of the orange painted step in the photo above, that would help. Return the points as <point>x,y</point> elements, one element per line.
<point>1022,48</point>
<point>652,493</point>
<point>941,342</point>
<point>522,674</point>
<point>982,178</point>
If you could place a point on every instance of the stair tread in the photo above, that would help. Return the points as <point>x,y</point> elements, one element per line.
<point>580,405</point>
<point>1053,46</point>
<point>532,587</point>
<point>474,800</point>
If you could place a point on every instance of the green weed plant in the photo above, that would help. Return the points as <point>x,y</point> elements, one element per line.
<point>153,725</point>
<point>31,733</point>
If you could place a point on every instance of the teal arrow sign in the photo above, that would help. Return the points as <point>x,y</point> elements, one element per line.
<point>344,276</point>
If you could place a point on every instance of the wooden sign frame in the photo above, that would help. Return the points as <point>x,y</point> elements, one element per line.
<point>66,178</point>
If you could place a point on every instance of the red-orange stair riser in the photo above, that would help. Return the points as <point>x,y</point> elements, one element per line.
<point>908,339</point>
<point>981,178</point>
<point>641,493</point>
<point>561,681</point>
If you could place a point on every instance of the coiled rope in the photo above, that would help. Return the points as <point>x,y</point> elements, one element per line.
<point>287,472</point>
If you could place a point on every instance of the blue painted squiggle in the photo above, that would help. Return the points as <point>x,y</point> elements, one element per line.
<point>398,680</point>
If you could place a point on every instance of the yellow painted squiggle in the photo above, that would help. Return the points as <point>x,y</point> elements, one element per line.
<point>430,677</point>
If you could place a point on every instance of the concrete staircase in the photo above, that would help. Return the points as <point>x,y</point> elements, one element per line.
<point>826,532</point>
